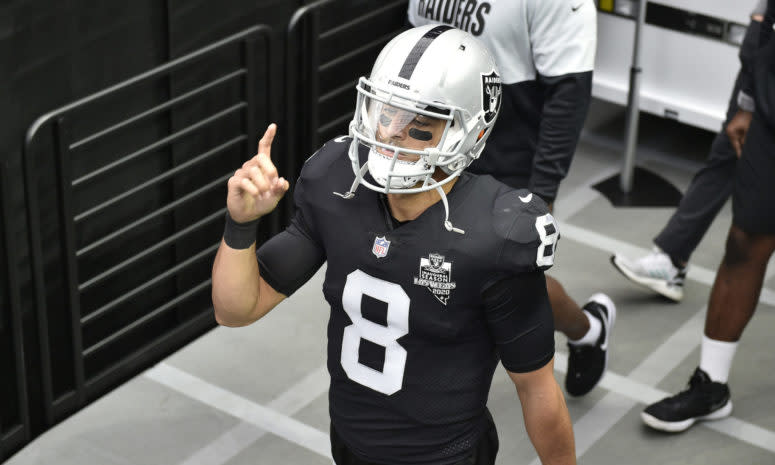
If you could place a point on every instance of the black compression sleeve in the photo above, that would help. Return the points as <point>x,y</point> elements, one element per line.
<point>747,57</point>
<point>565,108</point>
<point>520,320</point>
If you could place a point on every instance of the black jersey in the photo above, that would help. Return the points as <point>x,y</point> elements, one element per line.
<point>419,315</point>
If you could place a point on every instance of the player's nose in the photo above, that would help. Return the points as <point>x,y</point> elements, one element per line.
<point>396,129</point>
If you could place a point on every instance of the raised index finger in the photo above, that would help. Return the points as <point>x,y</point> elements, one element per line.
<point>265,144</point>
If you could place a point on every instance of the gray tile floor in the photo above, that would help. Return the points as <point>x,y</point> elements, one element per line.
<point>258,395</point>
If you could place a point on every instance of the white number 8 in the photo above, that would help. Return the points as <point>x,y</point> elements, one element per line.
<point>547,239</point>
<point>391,378</point>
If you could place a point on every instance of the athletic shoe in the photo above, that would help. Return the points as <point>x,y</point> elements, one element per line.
<point>702,400</point>
<point>587,363</point>
<point>655,271</point>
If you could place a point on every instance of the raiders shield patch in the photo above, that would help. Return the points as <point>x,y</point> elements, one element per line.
<point>491,95</point>
<point>436,276</point>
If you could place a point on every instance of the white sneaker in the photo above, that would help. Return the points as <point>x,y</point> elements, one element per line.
<point>655,271</point>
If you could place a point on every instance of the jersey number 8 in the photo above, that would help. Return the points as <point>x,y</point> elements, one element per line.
<point>391,378</point>
<point>549,234</point>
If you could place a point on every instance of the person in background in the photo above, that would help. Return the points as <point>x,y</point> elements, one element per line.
<point>664,269</point>
<point>749,246</point>
<point>546,52</point>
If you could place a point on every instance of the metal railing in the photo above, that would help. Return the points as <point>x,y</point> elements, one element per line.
<point>134,261</point>
<point>14,413</point>
<point>329,45</point>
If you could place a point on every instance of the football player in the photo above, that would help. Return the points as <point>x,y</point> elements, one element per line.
<point>546,52</point>
<point>433,276</point>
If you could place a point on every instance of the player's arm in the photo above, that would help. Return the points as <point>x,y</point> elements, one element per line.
<point>240,295</point>
<point>519,317</point>
<point>563,38</point>
<point>546,416</point>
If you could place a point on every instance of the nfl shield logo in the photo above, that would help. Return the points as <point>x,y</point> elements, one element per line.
<point>381,246</point>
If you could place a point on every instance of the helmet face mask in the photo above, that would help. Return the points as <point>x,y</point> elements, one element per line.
<point>406,138</point>
<point>424,115</point>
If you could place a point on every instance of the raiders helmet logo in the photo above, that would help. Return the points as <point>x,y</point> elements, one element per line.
<point>491,95</point>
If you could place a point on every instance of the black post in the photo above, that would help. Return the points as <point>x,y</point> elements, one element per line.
<point>67,226</point>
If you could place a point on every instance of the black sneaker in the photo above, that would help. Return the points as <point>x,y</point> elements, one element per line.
<point>703,400</point>
<point>587,363</point>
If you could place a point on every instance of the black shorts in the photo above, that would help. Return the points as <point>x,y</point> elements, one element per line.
<point>753,201</point>
<point>482,454</point>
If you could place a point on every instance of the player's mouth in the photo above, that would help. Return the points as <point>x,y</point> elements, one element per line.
<point>409,157</point>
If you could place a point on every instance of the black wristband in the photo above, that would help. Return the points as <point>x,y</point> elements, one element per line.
<point>239,235</point>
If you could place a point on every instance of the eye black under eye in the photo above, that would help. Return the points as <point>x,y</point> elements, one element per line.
<point>420,135</point>
<point>385,120</point>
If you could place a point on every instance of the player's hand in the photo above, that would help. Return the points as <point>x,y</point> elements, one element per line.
<point>255,189</point>
<point>737,129</point>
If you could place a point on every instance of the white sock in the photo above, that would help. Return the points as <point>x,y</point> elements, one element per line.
<point>595,326</point>
<point>716,358</point>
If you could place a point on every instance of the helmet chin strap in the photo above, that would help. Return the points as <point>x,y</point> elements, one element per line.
<point>447,224</point>
<point>439,188</point>
<point>351,193</point>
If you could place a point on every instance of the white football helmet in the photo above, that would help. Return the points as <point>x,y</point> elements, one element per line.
<point>428,73</point>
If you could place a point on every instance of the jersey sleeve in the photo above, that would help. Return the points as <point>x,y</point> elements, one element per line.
<point>289,259</point>
<point>563,35</point>
<point>528,232</point>
<point>519,318</point>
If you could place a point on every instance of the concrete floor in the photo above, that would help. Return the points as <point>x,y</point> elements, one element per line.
<point>258,395</point>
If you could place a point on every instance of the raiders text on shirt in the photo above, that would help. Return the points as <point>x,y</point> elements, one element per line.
<point>468,15</point>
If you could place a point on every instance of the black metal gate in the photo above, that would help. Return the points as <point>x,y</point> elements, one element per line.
<point>122,246</point>
<point>14,414</point>
<point>330,44</point>
<point>125,211</point>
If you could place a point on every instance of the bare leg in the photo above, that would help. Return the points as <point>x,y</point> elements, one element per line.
<point>738,284</point>
<point>569,319</point>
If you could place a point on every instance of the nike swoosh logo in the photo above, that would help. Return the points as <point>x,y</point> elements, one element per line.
<point>574,8</point>
<point>527,198</point>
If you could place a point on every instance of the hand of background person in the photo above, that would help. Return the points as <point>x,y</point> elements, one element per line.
<point>255,189</point>
<point>737,129</point>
